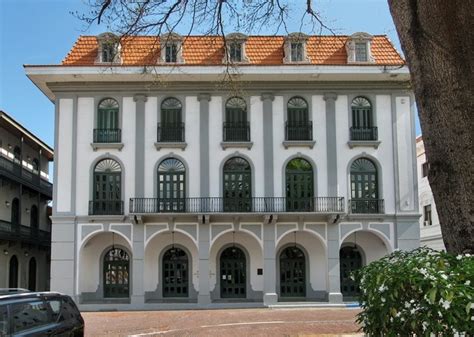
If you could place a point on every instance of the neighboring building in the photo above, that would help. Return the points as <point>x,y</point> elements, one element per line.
<point>25,192</point>
<point>430,230</point>
<point>173,192</point>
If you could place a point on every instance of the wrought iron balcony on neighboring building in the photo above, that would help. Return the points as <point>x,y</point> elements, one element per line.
<point>25,234</point>
<point>323,205</point>
<point>366,206</point>
<point>170,132</point>
<point>107,135</point>
<point>236,132</point>
<point>364,133</point>
<point>106,207</point>
<point>16,172</point>
<point>299,130</point>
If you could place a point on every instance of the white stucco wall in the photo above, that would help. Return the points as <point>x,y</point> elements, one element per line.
<point>64,150</point>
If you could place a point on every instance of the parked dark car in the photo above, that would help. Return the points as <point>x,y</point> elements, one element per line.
<point>25,313</point>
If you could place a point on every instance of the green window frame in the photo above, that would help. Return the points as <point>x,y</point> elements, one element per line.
<point>297,110</point>
<point>175,273</point>
<point>362,113</point>
<point>292,272</point>
<point>350,260</point>
<point>361,54</point>
<point>299,179</point>
<point>364,187</point>
<point>233,273</point>
<point>171,53</point>
<point>237,185</point>
<point>172,185</point>
<point>108,114</point>
<point>236,110</point>
<point>116,273</point>
<point>15,213</point>
<point>107,189</point>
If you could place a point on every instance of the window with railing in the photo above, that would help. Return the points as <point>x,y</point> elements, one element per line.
<point>172,185</point>
<point>363,127</point>
<point>237,185</point>
<point>236,127</point>
<point>298,125</point>
<point>364,188</point>
<point>108,129</point>
<point>171,127</point>
<point>107,193</point>
<point>299,185</point>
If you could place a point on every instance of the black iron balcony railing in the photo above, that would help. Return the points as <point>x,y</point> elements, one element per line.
<point>236,132</point>
<point>16,172</point>
<point>14,232</point>
<point>299,130</point>
<point>170,132</point>
<point>242,205</point>
<point>107,135</point>
<point>106,207</point>
<point>364,133</point>
<point>366,206</point>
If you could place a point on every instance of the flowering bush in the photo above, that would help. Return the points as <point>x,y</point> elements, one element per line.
<point>422,292</point>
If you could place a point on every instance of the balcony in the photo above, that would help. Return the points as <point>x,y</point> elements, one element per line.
<point>299,130</point>
<point>366,206</point>
<point>106,207</point>
<point>170,132</point>
<point>26,234</point>
<point>364,133</point>
<point>323,205</point>
<point>107,136</point>
<point>16,172</point>
<point>236,132</point>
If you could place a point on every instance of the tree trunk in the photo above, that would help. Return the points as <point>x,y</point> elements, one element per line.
<point>438,41</point>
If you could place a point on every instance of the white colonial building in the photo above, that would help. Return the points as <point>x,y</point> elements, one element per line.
<point>430,230</point>
<point>193,174</point>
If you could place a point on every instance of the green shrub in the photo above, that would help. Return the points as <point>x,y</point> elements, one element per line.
<point>422,292</point>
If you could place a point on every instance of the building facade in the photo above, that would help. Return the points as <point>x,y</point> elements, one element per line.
<point>190,173</point>
<point>25,194</point>
<point>430,230</point>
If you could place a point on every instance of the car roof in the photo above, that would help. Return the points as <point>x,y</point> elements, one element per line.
<point>27,295</point>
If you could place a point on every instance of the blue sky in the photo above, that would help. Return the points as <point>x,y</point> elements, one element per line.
<point>43,31</point>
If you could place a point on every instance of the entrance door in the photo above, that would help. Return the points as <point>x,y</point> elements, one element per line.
<point>292,273</point>
<point>233,273</point>
<point>349,260</point>
<point>13,273</point>
<point>175,273</point>
<point>32,275</point>
<point>116,273</point>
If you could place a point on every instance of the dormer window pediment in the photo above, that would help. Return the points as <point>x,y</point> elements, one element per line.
<point>358,48</point>
<point>171,48</point>
<point>296,48</point>
<point>109,48</point>
<point>235,44</point>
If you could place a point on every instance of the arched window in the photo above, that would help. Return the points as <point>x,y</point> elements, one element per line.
<point>236,126</point>
<point>363,127</point>
<point>172,185</point>
<point>108,130</point>
<point>350,260</point>
<point>233,273</point>
<point>107,188</point>
<point>32,274</point>
<point>364,187</point>
<point>175,273</point>
<point>237,185</point>
<point>34,220</point>
<point>13,272</point>
<point>171,128</point>
<point>292,273</point>
<point>116,273</point>
<point>298,125</point>
<point>299,186</point>
<point>15,217</point>
<point>17,155</point>
<point>36,166</point>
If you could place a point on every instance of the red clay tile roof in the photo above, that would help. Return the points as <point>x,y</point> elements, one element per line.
<point>208,50</point>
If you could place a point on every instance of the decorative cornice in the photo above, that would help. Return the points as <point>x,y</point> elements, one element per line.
<point>330,96</point>
<point>204,96</point>
<point>267,96</point>
<point>140,98</point>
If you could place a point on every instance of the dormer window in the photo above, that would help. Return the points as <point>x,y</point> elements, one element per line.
<point>235,48</point>
<point>358,48</point>
<point>172,48</point>
<point>295,48</point>
<point>109,48</point>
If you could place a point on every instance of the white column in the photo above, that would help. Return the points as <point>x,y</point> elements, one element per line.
<point>138,270</point>
<point>204,296</point>
<point>335,295</point>
<point>269,262</point>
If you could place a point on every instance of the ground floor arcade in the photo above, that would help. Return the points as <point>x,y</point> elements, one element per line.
<point>139,265</point>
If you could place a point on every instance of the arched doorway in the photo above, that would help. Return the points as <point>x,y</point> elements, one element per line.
<point>13,272</point>
<point>107,195</point>
<point>32,274</point>
<point>292,273</point>
<point>172,185</point>
<point>175,273</point>
<point>237,185</point>
<point>116,273</point>
<point>350,260</point>
<point>233,273</point>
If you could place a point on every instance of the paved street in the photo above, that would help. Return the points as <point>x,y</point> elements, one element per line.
<point>236,322</point>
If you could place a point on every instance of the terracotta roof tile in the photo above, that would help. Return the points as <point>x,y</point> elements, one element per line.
<point>208,50</point>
